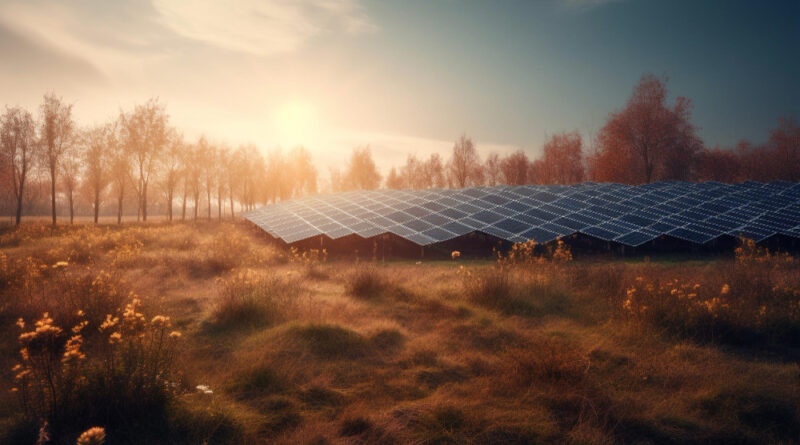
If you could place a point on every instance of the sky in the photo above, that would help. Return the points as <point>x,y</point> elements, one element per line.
<point>404,77</point>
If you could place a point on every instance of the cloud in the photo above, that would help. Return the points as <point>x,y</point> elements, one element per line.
<point>261,27</point>
<point>114,37</point>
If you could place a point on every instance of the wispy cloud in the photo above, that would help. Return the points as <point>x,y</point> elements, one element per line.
<point>113,37</point>
<point>261,27</point>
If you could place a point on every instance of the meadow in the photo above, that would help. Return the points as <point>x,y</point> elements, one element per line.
<point>210,333</point>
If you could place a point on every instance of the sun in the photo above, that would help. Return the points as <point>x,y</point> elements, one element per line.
<point>296,123</point>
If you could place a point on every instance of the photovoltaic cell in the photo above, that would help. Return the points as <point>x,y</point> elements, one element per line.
<point>630,215</point>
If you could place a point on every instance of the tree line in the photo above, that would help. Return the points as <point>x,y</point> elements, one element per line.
<point>648,140</point>
<point>133,159</point>
<point>139,160</point>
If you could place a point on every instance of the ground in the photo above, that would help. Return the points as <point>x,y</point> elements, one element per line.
<point>279,346</point>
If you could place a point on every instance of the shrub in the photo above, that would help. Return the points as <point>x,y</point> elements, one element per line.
<point>310,260</point>
<point>250,300</point>
<point>752,312</point>
<point>122,378</point>
<point>365,281</point>
<point>489,287</point>
<point>60,290</point>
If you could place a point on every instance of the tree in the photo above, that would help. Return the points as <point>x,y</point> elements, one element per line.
<point>70,166</point>
<point>492,171</point>
<point>220,167</point>
<point>413,174</point>
<point>120,162</point>
<point>97,159</point>
<point>209,161</point>
<point>194,166</point>
<point>235,169</point>
<point>56,134</point>
<point>361,173</point>
<point>514,168</point>
<point>144,135</point>
<point>464,165</point>
<point>276,171</point>
<point>18,145</point>
<point>393,180</point>
<point>562,160</point>
<point>718,165</point>
<point>648,140</point>
<point>434,171</point>
<point>302,172</point>
<point>784,142</point>
<point>172,165</point>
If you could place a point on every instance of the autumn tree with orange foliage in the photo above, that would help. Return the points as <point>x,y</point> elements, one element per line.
<point>648,140</point>
<point>515,168</point>
<point>562,161</point>
<point>361,173</point>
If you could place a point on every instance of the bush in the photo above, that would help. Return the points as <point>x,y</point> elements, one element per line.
<point>125,377</point>
<point>250,300</point>
<point>490,287</point>
<point>365,282</point>
<point>60,290</point>
<point>759,305</point>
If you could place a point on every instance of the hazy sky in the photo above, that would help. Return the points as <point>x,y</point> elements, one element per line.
<point>403,76</point>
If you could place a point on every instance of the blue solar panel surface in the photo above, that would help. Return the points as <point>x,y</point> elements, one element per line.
<point>627,214</point>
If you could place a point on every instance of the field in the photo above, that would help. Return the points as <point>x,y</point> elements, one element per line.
<point>208,333</point>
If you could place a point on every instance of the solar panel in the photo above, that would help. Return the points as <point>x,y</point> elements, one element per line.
<point>630,215</point>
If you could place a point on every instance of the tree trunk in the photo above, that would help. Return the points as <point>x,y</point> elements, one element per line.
<point>96,205</point>
<point>169,205</point>
<point>232,213</point>
<point>53,191</point>
<point>119,208</point>
<point>71,208</point>
<point>196,205</point>
<point>19,207</point>
<point>209,203</point>
<point>219,206</point>
<point>183,208</point>
<point>144,201</point>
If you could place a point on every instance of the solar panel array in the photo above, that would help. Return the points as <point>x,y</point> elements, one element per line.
<point>630,215</point>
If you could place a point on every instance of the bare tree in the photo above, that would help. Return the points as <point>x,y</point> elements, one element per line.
<point>172,165</point>
<point>234,171</point>
<point>70,166</point>
<point>56,134</point>
<point>220,167</point>
<point>144,135</point>
<point>491,170</point>
<point>18,145</point>
<point>195,172</point>
<point>120,163</point>
<point>434,171</point>
<point>208,161</point>
<point>464,165</point>
<point>97,159</point>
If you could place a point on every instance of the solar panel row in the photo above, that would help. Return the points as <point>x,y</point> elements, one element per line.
<point>631,215</point>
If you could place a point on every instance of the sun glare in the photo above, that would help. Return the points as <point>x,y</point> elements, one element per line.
<point>296,123</point>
